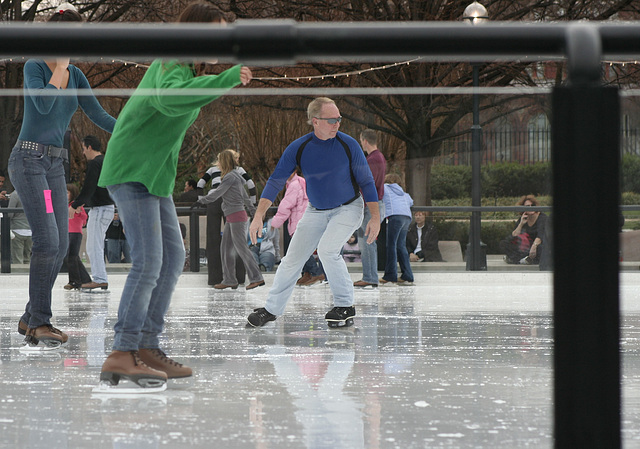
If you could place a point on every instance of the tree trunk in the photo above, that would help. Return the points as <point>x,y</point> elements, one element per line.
<point>418,176</point>
<point>10,114</point>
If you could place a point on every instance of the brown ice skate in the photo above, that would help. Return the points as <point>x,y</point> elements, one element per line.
<point>129,366</point>
<point>157,359</point>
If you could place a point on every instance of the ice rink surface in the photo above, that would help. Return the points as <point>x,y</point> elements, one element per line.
<point>460,360</point>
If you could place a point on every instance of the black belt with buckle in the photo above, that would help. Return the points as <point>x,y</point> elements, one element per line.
<point>344,204</point>
<point>45,150</point>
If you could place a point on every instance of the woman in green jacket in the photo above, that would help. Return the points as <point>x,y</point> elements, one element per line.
<point>139,171</point>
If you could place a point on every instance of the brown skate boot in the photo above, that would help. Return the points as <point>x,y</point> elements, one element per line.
<point>49,336</point>
<point>303,279</point>
<point>23,328</point>
<point>128,365</point>
<point>157,359</point>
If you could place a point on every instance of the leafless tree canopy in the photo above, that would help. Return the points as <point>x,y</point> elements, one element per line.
<point>411,127</point>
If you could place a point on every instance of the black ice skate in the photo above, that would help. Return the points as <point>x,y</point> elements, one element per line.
<point>259,317</point>
<point>340,316</point>
<point>127,366</point>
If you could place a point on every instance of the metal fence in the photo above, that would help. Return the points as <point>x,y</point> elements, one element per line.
<point>523,146</point>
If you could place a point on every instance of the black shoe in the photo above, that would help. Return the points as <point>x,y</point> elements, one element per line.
<point>260,317</point>
<point>340,316</point>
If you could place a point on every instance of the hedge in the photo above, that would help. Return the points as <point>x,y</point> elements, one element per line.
<point>513,179</point>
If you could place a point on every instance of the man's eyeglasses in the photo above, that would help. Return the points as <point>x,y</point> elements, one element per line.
<point>331,121</point>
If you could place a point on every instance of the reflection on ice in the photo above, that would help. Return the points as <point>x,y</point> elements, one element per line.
<point>462,363</point>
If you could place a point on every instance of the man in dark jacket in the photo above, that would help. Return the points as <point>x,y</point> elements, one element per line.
<point>422,240</point>
<point>100,215</point>
<point>4,199</point>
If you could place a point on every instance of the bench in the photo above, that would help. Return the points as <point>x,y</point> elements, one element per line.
<point>630,246</point>
<point>450,250</point>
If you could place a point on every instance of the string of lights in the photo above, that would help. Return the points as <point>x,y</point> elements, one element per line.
<point>270,78</point>
<point>311,77</point>
<point>337,75</point>
<point>286,91</point>
<point>622,63</point>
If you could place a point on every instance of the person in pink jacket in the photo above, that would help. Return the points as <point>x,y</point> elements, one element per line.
<point>293,204</point>
<point>292,208</point>
<point>78,274</point>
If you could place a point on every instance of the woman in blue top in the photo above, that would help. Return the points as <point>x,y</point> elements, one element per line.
<point>37,172</point>
<point>397,209</point>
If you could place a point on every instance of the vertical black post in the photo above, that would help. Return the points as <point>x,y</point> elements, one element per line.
<point>476,259</point>
<point>585,158</point>
<point>586,127</point>
<point>5,244</point>
<point>194,241</point>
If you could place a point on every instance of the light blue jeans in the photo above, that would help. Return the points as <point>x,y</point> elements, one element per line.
<point>31,174</point>
<point>328,231</point>
<point>157,256</point>
<point>100,217</point>
<point>369,252</point>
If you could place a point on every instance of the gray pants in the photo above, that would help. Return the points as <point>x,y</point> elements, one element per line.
<point>234,237</point>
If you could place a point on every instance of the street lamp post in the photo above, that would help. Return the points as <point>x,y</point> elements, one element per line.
<point>475,13</point>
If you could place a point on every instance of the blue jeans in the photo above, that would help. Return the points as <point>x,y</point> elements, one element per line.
<point>157,256</point>
<point>397,226</point>
<point>268,259</point>
<point>117,251</point>
<point>328,231</point>
<point>31,174</point>
<point>313,266</point>
<point>100,217</point>
<point>369,252</point>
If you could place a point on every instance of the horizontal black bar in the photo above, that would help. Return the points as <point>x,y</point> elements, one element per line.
<point>286,40</point>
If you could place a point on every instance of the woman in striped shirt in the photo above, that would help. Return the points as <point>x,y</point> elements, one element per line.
<point>214,219</point>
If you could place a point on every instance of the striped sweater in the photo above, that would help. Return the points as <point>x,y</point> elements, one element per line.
<point>213,175</point>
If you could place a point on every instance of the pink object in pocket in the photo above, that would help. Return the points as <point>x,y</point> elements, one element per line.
<point>47,201</point>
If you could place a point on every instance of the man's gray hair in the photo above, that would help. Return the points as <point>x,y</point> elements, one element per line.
<point>314,108</point>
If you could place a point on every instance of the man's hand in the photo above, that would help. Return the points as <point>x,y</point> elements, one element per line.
<point>373,227</point>
<point>72,212</point>
<point>255,229</point>
<point>372,230</point>
<point>413,257</point>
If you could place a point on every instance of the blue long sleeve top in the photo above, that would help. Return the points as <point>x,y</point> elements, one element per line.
<point>325,166</point>
<point>396,201</point>
<point>47,117</point>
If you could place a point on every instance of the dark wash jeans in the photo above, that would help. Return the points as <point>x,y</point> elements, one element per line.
<point>397,227</point>
<point>32,174</point>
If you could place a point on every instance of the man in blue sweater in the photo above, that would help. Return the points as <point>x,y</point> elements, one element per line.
<point>335,170</point>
